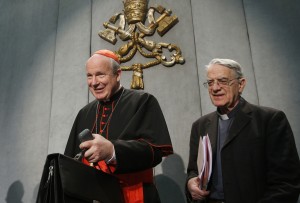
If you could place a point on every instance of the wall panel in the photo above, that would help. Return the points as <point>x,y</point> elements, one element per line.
<point>274,35</point>
<point>28,30</point>
<point>70,92</point>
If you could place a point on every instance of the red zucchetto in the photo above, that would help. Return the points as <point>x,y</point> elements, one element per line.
<point>109,54</point>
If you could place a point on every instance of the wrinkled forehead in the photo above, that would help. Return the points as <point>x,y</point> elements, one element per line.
<point>98,61</point>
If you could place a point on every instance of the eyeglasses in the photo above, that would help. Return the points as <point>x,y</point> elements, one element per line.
<point>220,81</point>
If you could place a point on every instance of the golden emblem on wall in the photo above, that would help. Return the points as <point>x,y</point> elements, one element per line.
<point>130,26</point>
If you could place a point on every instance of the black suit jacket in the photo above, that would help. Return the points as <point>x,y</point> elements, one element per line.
<point>259,158</point>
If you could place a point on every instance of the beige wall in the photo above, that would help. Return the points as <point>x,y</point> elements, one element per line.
<point>44,45</point>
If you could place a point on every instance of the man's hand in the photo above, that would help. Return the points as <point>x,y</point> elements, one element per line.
<point>196,193</point>
<point>97,149</point>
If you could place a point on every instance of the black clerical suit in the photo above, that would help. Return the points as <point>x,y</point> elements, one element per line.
<point>259,160</point>
<point>133,121</point>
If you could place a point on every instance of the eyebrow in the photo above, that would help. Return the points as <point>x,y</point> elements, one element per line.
<point>218,78</point>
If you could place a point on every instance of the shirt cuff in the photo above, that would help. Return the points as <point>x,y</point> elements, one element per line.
<point>113,159</point>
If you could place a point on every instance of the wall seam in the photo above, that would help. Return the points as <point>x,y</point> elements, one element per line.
<point>251,55</point>
<point>91,29</point>
<point>195,51</point>
<point>54,59</point>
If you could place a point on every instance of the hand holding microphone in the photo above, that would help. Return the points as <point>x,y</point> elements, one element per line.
<point>95,147</point>
<point>85,135</point>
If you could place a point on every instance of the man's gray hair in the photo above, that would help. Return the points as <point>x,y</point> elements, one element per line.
<point>115,65</point>
<point>229,63</point>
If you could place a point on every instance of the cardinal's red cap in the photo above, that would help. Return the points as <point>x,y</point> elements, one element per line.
<point>109,54</point>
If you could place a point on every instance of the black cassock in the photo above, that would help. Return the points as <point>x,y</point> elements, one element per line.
<point>133,121</point>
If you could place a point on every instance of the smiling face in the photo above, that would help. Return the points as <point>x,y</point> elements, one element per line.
<point>224,96</point>
<point>101,79</point>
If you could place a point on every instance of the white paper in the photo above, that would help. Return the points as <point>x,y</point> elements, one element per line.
<point>204,161</point>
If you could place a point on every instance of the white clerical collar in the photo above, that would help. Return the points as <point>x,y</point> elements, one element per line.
<point>224,116</point>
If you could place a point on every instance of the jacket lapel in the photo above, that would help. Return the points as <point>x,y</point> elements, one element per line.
<point>240,121</point>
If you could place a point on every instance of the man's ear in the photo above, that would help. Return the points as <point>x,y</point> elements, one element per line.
<point>119,72</point>
<point>242,84</point>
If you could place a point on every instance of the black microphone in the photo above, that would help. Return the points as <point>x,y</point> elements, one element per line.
<point>85,135</point>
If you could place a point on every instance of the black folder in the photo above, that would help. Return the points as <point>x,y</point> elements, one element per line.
<point>65,180</point>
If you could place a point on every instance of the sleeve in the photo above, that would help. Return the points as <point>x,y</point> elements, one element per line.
<point>145,139</point>
<point>72,147</point>
<point>283,166</point>
<point>192,170</point>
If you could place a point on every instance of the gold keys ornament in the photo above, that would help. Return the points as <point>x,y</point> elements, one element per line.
<point>130,27</point>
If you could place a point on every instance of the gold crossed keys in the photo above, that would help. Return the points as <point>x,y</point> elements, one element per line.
<point>131,27</point>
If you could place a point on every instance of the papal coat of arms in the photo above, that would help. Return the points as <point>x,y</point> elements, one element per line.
<point>132,28</point>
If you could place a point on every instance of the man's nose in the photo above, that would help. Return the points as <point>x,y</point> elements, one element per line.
<point>95,81</point>
<point>215,86</point>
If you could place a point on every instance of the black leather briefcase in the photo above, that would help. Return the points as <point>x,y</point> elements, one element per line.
<point>65,180</point>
